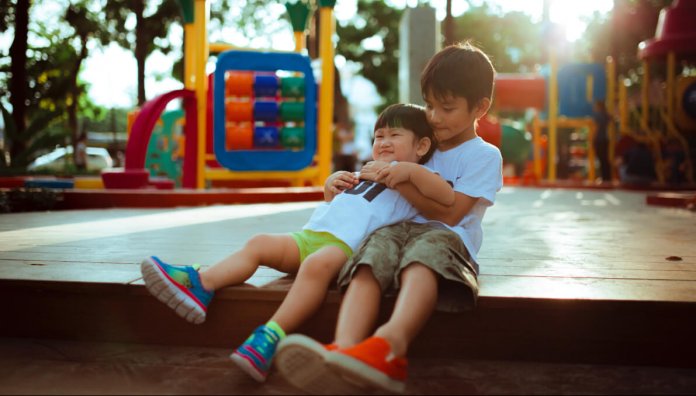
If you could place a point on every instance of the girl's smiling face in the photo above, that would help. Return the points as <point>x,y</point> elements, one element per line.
<point>398,144</point>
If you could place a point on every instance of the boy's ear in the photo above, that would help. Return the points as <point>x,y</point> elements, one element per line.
<point>482,107</point>
<point>423,146</point>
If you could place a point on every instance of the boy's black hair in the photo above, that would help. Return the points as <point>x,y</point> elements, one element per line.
<point>411,117</point>
<point>459,70</point>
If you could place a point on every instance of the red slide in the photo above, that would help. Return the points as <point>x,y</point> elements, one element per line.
<point>135,175</point>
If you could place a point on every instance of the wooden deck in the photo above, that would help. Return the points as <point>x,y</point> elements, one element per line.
<point>566,275</point>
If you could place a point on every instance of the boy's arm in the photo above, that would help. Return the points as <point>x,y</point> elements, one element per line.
<point>433,210</point>
<point>429,184</point>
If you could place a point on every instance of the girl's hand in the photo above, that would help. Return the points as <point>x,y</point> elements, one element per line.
<point>341,181</point>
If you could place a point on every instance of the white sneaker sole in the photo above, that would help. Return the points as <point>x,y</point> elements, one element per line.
<point>360,373</point>
<point>162,287</point>
<point>247,367</point>
<point>301,362</point>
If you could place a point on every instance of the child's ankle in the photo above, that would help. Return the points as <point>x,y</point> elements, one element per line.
<point>397,346</point>
<point>205,282</point>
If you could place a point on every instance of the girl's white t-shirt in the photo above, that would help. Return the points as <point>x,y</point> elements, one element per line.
<point>354,214</point>
<point>474,168</point>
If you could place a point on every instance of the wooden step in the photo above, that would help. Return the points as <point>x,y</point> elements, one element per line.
<point>540,329</point>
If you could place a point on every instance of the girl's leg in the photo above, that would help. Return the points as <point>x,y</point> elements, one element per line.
<point>414,304</point>
<point>309,288</point>
<point>279,252</point>
<point>359,309</point>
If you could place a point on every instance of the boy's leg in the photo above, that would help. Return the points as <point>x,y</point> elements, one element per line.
<point>379,362</point>
<point>301,360</point>
<point>436,270</point>
<point>414,305</point>
<point>359,308</point>
<point>306,294</point>
<point>189,292</point>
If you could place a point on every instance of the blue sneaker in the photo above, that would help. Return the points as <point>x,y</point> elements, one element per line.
<point>177,286</point>
<point>254,356</point>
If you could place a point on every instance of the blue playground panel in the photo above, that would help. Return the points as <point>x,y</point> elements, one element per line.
<point>572,89</point>
<point>264,160</point>
<point>49,183</point>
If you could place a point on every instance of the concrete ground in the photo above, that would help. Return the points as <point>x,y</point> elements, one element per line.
<point>33,366</point>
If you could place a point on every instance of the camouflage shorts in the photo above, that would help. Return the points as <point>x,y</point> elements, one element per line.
<point>391,249</point>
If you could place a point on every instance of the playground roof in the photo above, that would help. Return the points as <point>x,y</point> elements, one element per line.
<point>675,32</point>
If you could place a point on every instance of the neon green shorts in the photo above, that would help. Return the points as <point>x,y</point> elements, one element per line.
<point>310,241</point>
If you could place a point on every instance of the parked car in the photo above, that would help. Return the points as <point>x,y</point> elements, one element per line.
<point>97,159</point>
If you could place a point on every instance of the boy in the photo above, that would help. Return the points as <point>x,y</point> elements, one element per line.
<point>430,261</point>
<point>353,210</point>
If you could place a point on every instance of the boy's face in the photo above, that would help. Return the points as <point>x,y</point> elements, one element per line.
<point>398,144</point>
<point>451,119</point>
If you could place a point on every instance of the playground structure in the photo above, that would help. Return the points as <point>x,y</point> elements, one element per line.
<point>259,124</point>
<point>255,118</point>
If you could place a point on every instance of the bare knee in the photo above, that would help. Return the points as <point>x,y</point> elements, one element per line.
<point>317,270</point>
<point>418,271</point>
<point>364,275</point>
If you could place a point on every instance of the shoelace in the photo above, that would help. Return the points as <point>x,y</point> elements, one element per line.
<point>263,340</point>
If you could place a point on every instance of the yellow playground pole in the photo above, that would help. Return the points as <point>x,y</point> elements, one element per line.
<point>611,109</point>
<point>671,72</point>
<point>645,94</point>
<point>200,37</point>
<point>553,115</point>
<point>326,94</point>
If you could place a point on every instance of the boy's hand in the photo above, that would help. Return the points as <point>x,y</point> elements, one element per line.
<point>395,174</point>
<point>341,181</point>
<point>370,171</point>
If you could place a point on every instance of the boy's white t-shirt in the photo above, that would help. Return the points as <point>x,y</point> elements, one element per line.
<point>474,168</point>
<point>355,213</point>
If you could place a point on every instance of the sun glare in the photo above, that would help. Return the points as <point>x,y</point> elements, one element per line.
<point>572,16</point>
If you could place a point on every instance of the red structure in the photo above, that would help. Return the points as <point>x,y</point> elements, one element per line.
<point>676,32</point>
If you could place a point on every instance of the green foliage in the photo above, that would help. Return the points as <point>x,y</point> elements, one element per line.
<point>511,40</point>
<point>28,200</point>
<point>150,32</point>
<point>374,19</point>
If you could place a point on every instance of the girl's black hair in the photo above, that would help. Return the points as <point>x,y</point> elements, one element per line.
<point>411,117</point>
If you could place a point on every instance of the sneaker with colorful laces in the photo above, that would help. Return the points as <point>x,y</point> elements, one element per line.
<point>300,360</point>
<point>366,364</point>
<point>254,356</point>
<point>177,286</point>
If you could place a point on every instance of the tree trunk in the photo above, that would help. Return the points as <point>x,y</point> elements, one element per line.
<point>18,80</point>
<point>449,25</point>
<point>75,95</point>
<point>140,48</point>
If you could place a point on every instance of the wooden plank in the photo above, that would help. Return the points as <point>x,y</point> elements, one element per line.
<point>104,273</point>
<point>588,288</point>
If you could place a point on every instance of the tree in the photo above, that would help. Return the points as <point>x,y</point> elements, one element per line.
<point>150,32</point>
<point>85,25</point>
<point>375,20</point>
<point>18,79</point>
<point>511,40</point>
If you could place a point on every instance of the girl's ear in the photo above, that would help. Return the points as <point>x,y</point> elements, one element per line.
<point>423,146</point>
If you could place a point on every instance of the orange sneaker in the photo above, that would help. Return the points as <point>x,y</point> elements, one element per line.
<point>366,364</point>
<point>300,360</point>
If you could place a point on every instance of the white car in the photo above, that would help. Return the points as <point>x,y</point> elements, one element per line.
<point>97,159</point>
